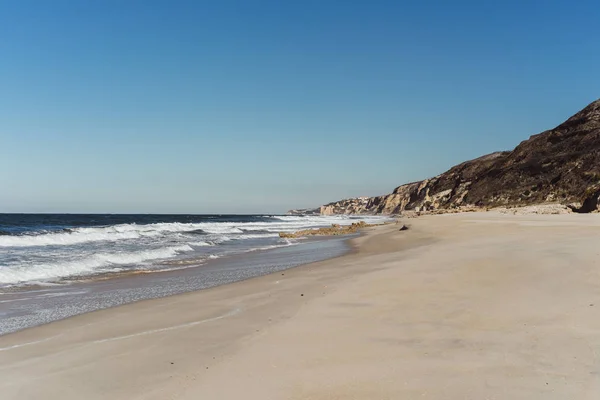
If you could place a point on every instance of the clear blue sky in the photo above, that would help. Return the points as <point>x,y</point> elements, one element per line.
<point>261,106</point>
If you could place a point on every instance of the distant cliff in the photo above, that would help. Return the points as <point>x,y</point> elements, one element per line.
<point>561,165</point>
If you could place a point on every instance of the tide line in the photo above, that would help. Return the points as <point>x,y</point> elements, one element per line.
<point>16,346</point>
<point>171,328</point>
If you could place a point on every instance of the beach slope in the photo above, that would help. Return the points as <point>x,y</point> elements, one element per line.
<point>461,306</point>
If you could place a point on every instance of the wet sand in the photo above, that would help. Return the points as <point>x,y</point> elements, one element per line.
<point>28,307</point>
<point>464,306</point>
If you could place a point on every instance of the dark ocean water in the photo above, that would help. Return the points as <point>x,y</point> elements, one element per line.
<point>15,224</point>
<point>45,249</point>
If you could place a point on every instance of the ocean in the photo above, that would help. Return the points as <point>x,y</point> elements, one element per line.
<point>53,266</point>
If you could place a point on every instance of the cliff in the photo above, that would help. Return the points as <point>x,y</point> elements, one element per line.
<point>561,165</point>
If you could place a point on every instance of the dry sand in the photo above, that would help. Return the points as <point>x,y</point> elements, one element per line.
<point>465,306</point>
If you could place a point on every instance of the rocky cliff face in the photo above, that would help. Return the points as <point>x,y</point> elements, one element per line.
<point>359,205</point>
<point>560,165</point>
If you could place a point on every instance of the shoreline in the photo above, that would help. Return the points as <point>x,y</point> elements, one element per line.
<point>110,290</point>
<point>477,305</point>
<point>42,250</point>
<point>352,249</point>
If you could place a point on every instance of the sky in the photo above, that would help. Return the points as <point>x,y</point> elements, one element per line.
<point>226,106</point>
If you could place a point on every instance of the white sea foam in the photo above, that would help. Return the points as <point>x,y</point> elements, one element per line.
<point>100,262</point>
<point>70,238</point>
<point>256,236</point>
<point>201,244</point>
<point>134,231</point>
<point>274,246</point>
<point>45,257</point>
<point>111,233</point>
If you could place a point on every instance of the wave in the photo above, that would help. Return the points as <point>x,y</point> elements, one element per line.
<point>197,232</point>
<point>289,218</point>
<point>216,232</point>
<point>256,236</point>
<point>273,246</point>
<point>258,230</point>
<point>97,263</point>
<point>109,233</point>
<point>201,244</point>
<point>133,231</point>
<point>70,238</point>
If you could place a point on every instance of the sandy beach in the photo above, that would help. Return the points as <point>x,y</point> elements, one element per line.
<point>464,306</point>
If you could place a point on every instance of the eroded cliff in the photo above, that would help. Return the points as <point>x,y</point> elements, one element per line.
<point>561,165</point>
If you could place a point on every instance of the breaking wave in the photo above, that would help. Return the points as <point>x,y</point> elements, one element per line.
<point>97,263</point>
<point>43,251</point>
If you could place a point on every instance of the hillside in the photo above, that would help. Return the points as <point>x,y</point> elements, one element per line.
<point>561,165</point>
